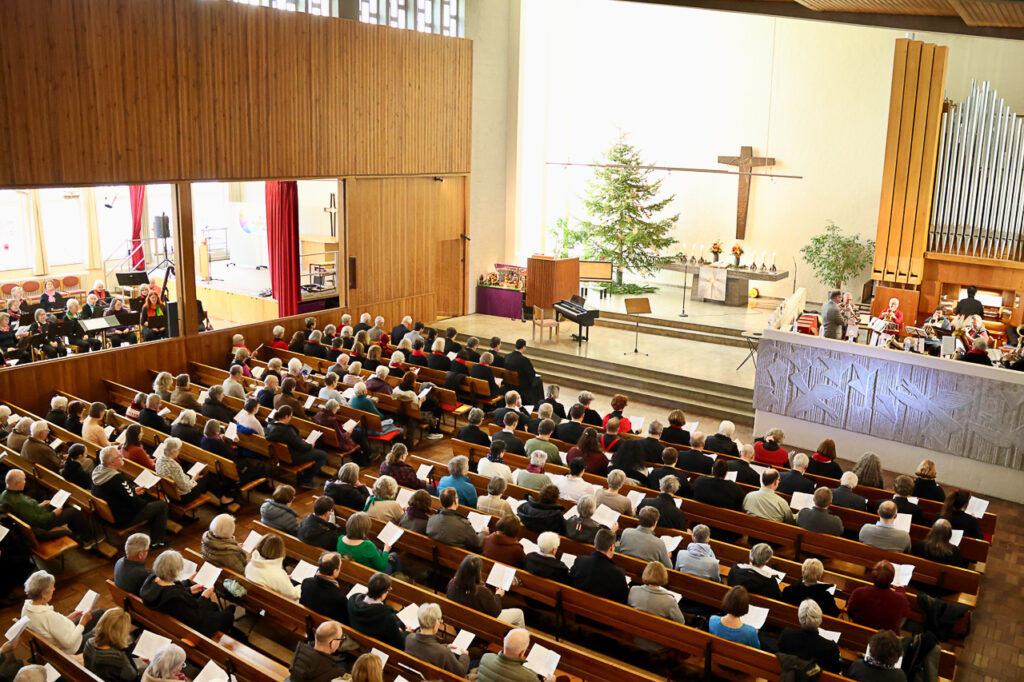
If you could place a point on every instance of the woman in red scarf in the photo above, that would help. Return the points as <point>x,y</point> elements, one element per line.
<point>153,309</point>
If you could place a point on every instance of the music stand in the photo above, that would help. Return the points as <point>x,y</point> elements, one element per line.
<point>637,306</point>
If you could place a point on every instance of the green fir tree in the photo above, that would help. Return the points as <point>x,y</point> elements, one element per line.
<point>624,226</point>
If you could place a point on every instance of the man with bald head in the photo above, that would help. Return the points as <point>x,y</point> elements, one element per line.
<point>129,503</point>
<point>46,522</point>
<point>507,666</point>
<point>320,661</point>
<point>884,534</point>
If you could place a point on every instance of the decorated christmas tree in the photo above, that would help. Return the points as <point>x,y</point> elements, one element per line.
<point>624,225</point>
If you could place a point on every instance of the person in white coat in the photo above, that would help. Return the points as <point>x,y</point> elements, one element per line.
<point>266,567</point>
<point>64,632</point>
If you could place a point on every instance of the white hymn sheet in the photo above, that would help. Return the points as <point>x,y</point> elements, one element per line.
<point>109,430</point>
<point>605,515</point>
<point>731,476</point>
<point>211,672</point>
<point>148,644</point>
<point>121,437</point>
<point>357,589</point>
<point>309,402</point>
<point>303,570</point>
<point>691,426</point>
<point>381,655</point>
<point>313,437</point>
<point>478,521</point>
<point>3,532</point>
<point>271,414</point>
<point>423,473</point>
<point>423,394</point>
<point>513,503</point>
<point>799,500</point>
<point>389,534</point>
<point>542,661</point>
<point>59,499</point>
<point>15,630</point>
<point>231,433</point>
<point>350,425</point>
<point>830,635</point>
<point>637,423</point>
<point>188,569</point>
<point>251,541</point>
<point>528,545</point>
<point>402,498</point>
<point>52,674</point>
<point>203,395</point>
<point>903,522</point>
<point>349,393</point>
<point>568,559</point>
<point>207,575</point>
<point>678,501</point>
<point>452,355</point>
<point>831,589</point>
<point>463,640</point>
<point>570,513</point>
<point>164,412</point>
<point>635,497</point>
<point>195,469</point>
<point>755,617</point>
<point>408,616</point>
<point>501,576</point>
<point>957,536</point>
<point>904,572</point>
<point>913,500</point>
<point>159,451</point>
<point>87,602</point>
<point>976,507</point>
<point>56,443</point>
<point>671,542</point>
<point>257,372</point>
<point>147,479</point>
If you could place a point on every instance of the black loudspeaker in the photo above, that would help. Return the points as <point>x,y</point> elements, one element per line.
<point>162,227</point>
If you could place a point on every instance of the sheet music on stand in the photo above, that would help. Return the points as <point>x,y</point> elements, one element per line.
<point>917,336</point>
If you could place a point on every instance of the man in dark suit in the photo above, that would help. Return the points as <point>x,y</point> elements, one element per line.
<point>744,472</point>
<point>313,346</point>
<point>754,580</point>
<point>472,352</point>
<point>571,430</point>
<point>471,432</point>
<point>692,459</point>
<point>482,370</point>
<point>322,593</point>
<point>717,491</point>
<point>513,403</point>
<point>530,385</point>
<point>317,529</point>
<point>545,411</point>
<point>499,359</point>
<point>450,344</point>
<point>150,415</point>
<point>507,434</point>
<point>399,331</point>
<point>282,431</point>
<point>903,486</point>
<point>364,323</point>
<point>671,515</point>
<point>552,399</point>
<point>651,445</point>
<point>417,357</point>
<point>669,457</point>
<point>597,574</point>
<point>843,495</point>
<point>722,441</point>
<point>794,480</point>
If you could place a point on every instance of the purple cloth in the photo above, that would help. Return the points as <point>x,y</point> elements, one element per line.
<point>499,302</point>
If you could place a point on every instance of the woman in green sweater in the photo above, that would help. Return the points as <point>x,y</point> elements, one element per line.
<point>354,544</point>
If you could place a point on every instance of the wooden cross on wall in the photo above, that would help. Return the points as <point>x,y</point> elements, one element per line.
<point>332,211</point>
<point>746,161</point>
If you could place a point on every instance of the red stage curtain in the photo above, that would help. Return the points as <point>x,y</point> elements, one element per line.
<point>136,194</point>
<point>283,244</point>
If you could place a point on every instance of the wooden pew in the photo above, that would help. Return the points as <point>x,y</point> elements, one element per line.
<point>69,667</point>
<point>259,599</point>
<point>929,572</point>
<point>247,664</point>
<point>621,621</point>
<point>574,660</point>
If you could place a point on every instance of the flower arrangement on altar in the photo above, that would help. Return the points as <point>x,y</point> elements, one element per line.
<point>716,247</point>
<point>737,250</point>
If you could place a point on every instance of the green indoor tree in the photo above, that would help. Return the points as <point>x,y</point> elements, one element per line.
<point>837,258</point>
<point>623,225</point>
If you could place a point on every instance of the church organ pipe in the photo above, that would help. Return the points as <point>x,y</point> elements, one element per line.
<point>978,207</point>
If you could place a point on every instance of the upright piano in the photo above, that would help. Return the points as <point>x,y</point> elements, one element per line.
<point>574,309</point>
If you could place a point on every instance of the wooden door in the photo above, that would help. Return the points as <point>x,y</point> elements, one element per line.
<point>404,246</point>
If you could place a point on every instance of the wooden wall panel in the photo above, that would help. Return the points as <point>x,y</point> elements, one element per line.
<point>118,91</point>
<point>405,238</point>
<point>915,113</point>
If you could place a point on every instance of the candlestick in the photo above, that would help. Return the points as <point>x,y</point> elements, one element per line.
<point>773,258</point>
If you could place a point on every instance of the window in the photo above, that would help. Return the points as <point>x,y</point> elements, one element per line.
<point>65,231</point>
<point>16,237</point>
<point>446,17</point>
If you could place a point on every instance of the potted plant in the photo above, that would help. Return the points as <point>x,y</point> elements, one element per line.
<point>737,251</point>
<point>837,258</point>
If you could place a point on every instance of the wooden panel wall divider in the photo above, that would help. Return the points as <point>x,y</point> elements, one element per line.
<point>123,91</point>
<point>908,177</point>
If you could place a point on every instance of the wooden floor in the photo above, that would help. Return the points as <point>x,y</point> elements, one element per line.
<point>994,650</point>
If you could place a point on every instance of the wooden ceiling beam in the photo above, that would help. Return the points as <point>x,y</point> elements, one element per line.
<point>998,13</point>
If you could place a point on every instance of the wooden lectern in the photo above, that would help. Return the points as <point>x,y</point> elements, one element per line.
<point>549,280</point>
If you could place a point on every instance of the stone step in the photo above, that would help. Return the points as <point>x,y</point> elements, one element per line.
<point>677,323</point>
<point>659,328</point>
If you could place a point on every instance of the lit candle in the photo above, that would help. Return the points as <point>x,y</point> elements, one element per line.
<point>764,256</point>
<point>693,249</point>
<point>773,258</point>
<point>702,248</point>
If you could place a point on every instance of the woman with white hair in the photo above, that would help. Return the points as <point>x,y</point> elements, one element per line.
<point>722,441</point>
<point>21,433</point>
<point>544,563</point>
<point>699,558</point>
<point>437,359</point>
<point>188,488</point>
<point>184,428</point>
<point>64,632</point>
<point>768,449</point>
<point>329,391</point>
<point>354,375</point>
<point>274,369</point>
<point>5,415</point>
<point>58,414</point>
<point>811,587</point>
<point>77,337</point>
<point>807,643</point>
<point>166,665</point>
<point>425,645</point>
<point>170,593</point>
<point>397,360</point>
<point>583,528</point>
<point>278,340</point>
<point>756,576</point>
<point>220,546</point>
<point>347,336</point>
<point>99,290</point>
<point>381,504</point>
<point>378,383</point>
<point>533,477</point>
<point>295,372</point>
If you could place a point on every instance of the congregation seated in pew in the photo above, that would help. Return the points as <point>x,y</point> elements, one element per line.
<point>46,522</point>
<point>130,571</point>
<point>67,633</point>
<point>277,511</point>
<point>755,576</point>
<point>345,489</point>
<point>540,512</point>
<point>544,563</point>
<point>220,546</point>
<point>811,588</point>
<point>370,614</point>
<point>322,593</point>
<point>669,515</point>
<point>318,528</point>
<point>418,511</point>
<point>319,660</point>
<point>266,567</point>
<point>641,542</point>
<point>698,558</point>
<point>502,544</point>
<point>652,597</point>
<point>168,592</point>
<point>468,588</point>
<point>382,503</point>
<point>494,465</point>
<point>450,527</point>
